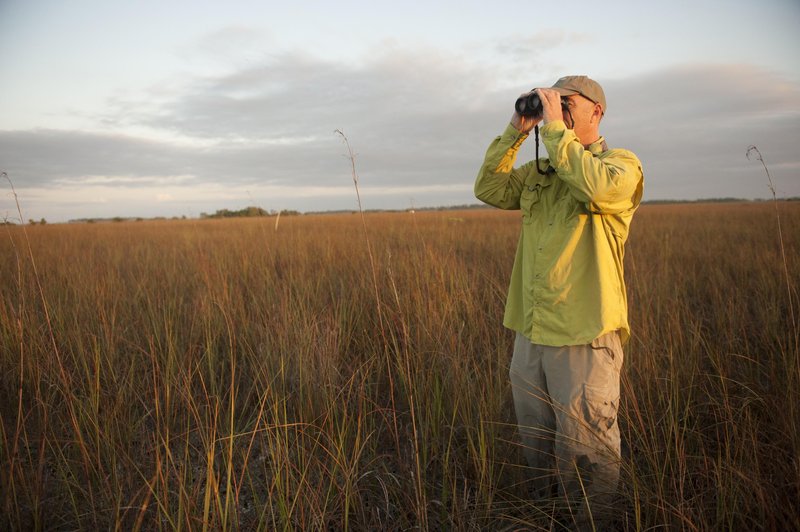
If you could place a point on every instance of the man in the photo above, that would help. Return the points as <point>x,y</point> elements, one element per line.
<point>567,300</point>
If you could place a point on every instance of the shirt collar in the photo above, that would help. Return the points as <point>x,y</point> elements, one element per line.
<point>599,146</point>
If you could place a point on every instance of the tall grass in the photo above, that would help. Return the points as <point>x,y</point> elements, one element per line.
<point>219,374</point>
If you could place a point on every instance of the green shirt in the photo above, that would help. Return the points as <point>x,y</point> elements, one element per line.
<point>567,285</point>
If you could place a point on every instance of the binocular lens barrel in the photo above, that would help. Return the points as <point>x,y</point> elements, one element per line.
<point>530,105</point>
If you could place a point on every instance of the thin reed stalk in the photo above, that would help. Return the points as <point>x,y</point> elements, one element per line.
<point>754,150</point>
<point>374,274</point>
<point>373,269</point>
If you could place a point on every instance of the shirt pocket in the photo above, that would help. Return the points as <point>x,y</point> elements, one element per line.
<point>530,199</point>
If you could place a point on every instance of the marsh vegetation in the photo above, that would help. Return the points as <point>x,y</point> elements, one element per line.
<point>207,374</point>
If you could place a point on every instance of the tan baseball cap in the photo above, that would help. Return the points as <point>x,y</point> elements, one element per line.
<point>586,87</point>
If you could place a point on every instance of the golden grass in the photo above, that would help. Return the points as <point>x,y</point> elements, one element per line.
<point>232,374</point>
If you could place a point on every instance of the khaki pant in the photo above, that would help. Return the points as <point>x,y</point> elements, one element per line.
<point>566,401</point>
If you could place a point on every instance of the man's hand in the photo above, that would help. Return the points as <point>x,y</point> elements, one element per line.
<point>551,105</point>
<point>551,110</point>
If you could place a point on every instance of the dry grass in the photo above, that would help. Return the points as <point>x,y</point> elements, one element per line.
<point>224,374</point>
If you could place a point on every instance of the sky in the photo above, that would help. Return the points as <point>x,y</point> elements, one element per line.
<point>175,108</point>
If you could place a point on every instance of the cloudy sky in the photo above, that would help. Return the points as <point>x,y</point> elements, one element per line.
<point>170,108</point>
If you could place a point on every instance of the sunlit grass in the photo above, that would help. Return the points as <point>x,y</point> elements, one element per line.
<point>233,374</point>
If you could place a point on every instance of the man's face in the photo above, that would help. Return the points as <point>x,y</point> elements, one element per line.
<point>585,117</point>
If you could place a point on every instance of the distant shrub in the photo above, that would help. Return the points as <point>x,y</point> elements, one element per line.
<point>247,212</point>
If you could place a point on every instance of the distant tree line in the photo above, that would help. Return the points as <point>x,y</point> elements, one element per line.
<point>251,212</point>
<point>247,212</point>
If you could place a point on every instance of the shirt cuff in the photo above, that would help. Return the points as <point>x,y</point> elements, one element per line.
<point>511,133</point>
<point>513,137</point>
<point>553,129</point>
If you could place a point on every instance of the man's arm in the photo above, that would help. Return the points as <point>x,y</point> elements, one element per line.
<point>609,185</point>
<point>498,183</point>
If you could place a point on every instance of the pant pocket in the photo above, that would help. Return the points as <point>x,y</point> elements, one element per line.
<point>609,345</point>
<point>600,407</point>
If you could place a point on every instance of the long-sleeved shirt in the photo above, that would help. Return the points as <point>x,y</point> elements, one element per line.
<point>567,285</point>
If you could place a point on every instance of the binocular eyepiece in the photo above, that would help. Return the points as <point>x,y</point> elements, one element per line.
<point>530,105</point>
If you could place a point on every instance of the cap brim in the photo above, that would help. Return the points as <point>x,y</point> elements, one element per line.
<point>564,92</point>
<point>570,92</point>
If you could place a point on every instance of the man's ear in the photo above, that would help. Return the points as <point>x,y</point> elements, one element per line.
<point>597,114</point>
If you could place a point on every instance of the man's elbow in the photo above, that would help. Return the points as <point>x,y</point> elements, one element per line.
<point>481,194</point>
<point>491,198</point>
<point>619,197</point>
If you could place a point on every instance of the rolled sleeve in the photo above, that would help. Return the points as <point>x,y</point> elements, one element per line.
<point>498,183</point>
<point>609,182</point>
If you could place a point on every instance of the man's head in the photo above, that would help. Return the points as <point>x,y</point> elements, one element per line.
<point>587,105</point>
<point>583,86</point>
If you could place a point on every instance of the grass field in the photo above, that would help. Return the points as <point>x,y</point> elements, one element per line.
<point>222,374</point>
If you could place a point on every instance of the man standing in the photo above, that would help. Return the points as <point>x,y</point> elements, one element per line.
<point>567,300</point>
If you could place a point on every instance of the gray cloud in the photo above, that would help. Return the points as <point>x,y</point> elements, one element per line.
<point>691,127</point>
<point>43,156</point>
<point>414,119</point>
<point>296,94</point>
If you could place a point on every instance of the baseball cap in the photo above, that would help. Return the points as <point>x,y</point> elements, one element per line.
<point>586,87</point>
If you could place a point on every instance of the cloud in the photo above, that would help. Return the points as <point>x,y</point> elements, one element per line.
<point>691,127</point>
<point>240,41</point>
<point>419,123</point>
<point>521,47</point>
<point>295,94</point>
